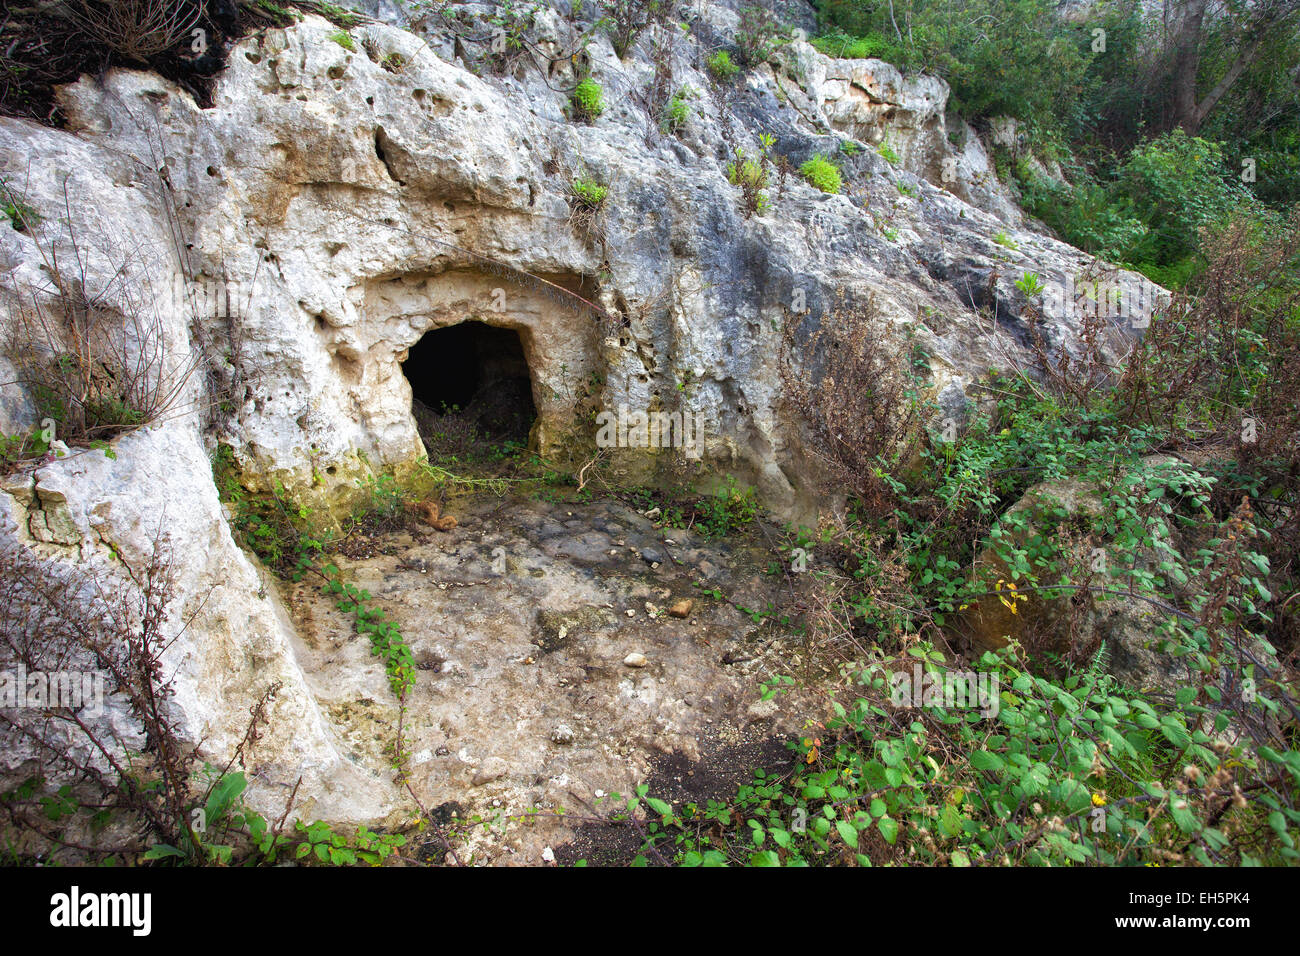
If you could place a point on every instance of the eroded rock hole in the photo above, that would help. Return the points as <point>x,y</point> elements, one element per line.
<point>470,385</point>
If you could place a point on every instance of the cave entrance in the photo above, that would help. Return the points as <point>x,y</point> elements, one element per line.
<point>470,389</point>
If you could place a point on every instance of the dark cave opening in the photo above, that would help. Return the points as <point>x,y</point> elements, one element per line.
<point>469,383</point>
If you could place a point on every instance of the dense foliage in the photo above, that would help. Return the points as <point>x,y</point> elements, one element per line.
<point>1035,752</point>
<point>1151,125</point>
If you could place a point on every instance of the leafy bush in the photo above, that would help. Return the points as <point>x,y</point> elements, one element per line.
<point>1033,65</point>
<point>626,20</point>
<point>1071,770</point>
<point>888,154</point>
<point>382,505</point>
<point>758,36</point>
<point>720,66</point>
<point>822,173</point>
<point>1176,184</point>
<point>1086,214</point>
<point>750,173</point>
<point>344,39</point>
<point>678,110</point>
<point>843,46</point>
<point>588,100</point>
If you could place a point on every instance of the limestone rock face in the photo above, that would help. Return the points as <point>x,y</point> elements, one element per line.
<point>293,241</point>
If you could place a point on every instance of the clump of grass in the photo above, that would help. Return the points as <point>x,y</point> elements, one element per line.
<point>346,19</point>
<point>887,152</point>
<point>588,100</point>
<point>822,173</point>
<point>1002,239</point>
<point>344,39</point>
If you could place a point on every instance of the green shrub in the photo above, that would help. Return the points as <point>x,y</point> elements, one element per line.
<point>344,39</point>
<point>843,46</point>
<point>1175,184</point>
<point>888,154</point>
<point>678,110</point>
<point>626,20</point>
<point>382,504</point>
<point>588,100</point>
<point>347,19</point>
<point>758,36</point>
<point>822,173</point>
<point>588,193</point>
<point>750,173</point>
<point>1085,214</point>
<point>721,68</point>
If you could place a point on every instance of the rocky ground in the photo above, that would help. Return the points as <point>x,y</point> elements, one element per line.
<point>566,650</point>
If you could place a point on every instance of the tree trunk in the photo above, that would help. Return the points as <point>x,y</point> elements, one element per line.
<point>1187,62</point>
<point>1208,102</point>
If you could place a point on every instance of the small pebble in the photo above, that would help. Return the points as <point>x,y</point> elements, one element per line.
<point>562,735</point>
<point>635,659</point>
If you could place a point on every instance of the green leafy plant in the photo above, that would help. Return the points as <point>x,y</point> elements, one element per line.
<point>721,67</point>
<point>588,193</point>
<point>347,19</point>
<point>750,174</point>
<point>344,39</point>
<point>822,173</point>
<point>1031,283</point>
<point>678,110</point>
<point>325,845</point>
<point>20,215</point>
<point>370,621</point>
<point>729,509</point>
<point>839,44</point>
<point>588,100</point>
<point>888,154</point>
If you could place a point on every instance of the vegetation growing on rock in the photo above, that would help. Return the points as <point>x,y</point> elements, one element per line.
<point>985,547</point>
<point>822,173</point>
<point>588,100</point>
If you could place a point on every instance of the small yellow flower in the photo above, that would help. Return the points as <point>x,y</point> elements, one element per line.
<point>1098,800</point>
